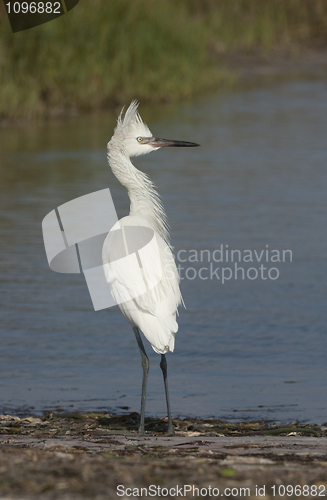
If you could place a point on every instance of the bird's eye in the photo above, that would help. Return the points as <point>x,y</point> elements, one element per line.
<point>139,139</point>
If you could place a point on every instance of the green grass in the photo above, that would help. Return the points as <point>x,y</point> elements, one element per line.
<point>105,52</point>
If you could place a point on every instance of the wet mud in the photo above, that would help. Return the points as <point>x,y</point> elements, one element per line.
<point>100,456</point>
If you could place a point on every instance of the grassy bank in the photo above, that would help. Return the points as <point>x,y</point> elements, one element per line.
<point>107,52</point>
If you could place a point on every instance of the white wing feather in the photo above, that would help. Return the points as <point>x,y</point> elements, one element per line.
<point>146,287</point>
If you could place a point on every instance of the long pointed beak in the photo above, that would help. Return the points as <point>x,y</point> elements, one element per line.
<point>155,142</point>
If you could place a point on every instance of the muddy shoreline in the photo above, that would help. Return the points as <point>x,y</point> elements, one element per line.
<point>72,456</point>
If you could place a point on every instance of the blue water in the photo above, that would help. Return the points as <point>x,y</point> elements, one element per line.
<point>246,348</point>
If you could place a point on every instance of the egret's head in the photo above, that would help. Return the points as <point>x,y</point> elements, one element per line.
<point>134,138</point>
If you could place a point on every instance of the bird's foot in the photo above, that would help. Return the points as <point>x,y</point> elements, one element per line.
<point>170,430</point>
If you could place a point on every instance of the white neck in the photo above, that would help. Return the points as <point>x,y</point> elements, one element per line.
<point>145,200</point>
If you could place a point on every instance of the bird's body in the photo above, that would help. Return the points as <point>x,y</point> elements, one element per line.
<point>146,288</point>
<point>153,312</point>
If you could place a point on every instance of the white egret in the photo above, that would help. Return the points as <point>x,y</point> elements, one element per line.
<point>152,311</point>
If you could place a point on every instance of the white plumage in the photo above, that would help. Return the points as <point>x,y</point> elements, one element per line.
<point>149,297</point>
<point>145,282</point>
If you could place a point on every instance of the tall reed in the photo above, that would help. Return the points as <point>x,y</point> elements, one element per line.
<point>109,51</point>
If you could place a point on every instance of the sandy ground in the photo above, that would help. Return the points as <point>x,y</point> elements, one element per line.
<point>99,456</point>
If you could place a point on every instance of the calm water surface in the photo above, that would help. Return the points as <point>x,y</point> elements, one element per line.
<point>246,349</point>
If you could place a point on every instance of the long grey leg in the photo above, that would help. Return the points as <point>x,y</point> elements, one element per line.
<point>145,366</point>
<point>163,366</point>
